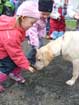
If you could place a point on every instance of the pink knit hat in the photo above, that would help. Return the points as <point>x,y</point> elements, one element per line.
<point>28,8</point>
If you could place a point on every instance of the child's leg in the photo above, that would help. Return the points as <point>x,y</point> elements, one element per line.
<point>53,26</point>
<point>61,33</point>
<point>41,42</point>
<point>16,75</point>
<point>6,66</point>
<point>54,35</point>
<point>9,67</point>
<point>31,55</point>
<point>47,26</point>
<point>3,77</point>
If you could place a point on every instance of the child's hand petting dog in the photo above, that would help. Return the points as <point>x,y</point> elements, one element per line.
<point>31,69</point>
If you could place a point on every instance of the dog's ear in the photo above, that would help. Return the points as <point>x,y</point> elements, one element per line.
<point>49,53</point>
<point>47,57</point>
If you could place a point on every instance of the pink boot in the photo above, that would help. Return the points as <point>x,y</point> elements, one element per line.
<point>16,75</point>
<point>3,77</point>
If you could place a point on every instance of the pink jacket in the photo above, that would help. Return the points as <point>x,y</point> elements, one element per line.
<point>38,30</point>
<point>10,41</point>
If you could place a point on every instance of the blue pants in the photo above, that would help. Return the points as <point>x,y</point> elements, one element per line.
<point>47,25</point>
<point>56,34</point>
<point>7,65</point>
<point>31,55</point>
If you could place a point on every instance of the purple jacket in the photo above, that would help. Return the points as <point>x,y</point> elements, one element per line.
<point>36,32</point>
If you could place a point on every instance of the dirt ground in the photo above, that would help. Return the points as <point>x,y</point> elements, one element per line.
<point>46,87</point>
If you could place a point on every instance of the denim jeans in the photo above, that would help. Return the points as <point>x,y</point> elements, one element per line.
<point>48,25</point>
<point>31,54</point>
<point>7,65</point>
<point>56,34</point>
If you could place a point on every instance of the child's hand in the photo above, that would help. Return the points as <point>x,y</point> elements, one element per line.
<point>76,16</point>
<point>31,69</point>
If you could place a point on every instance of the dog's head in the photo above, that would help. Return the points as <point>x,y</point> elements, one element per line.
<point>43,57</point>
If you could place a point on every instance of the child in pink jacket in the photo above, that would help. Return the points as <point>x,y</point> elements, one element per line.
<point>38,31</point>
<point>12,33</point>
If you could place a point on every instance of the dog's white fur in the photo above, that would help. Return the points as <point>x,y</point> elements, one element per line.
<point>69,46</point>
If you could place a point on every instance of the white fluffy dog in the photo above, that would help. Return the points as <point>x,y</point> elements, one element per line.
<point>69,46</point>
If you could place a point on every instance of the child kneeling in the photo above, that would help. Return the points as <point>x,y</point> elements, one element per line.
<point>12,33</point>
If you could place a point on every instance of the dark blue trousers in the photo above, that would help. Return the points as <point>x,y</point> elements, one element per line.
<point>7,65</point>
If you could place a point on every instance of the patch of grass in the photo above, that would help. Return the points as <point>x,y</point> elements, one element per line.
<point>71,23</point>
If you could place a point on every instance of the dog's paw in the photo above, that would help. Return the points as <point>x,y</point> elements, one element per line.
<point>70,82</point>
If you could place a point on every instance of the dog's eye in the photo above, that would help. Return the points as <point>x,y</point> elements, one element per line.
<point>39,59</point>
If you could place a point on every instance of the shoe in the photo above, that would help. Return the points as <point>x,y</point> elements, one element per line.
<point>17,78</point>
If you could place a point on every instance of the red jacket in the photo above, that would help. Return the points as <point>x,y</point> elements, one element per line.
<point>57,25</point>
<point>10,41</point>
